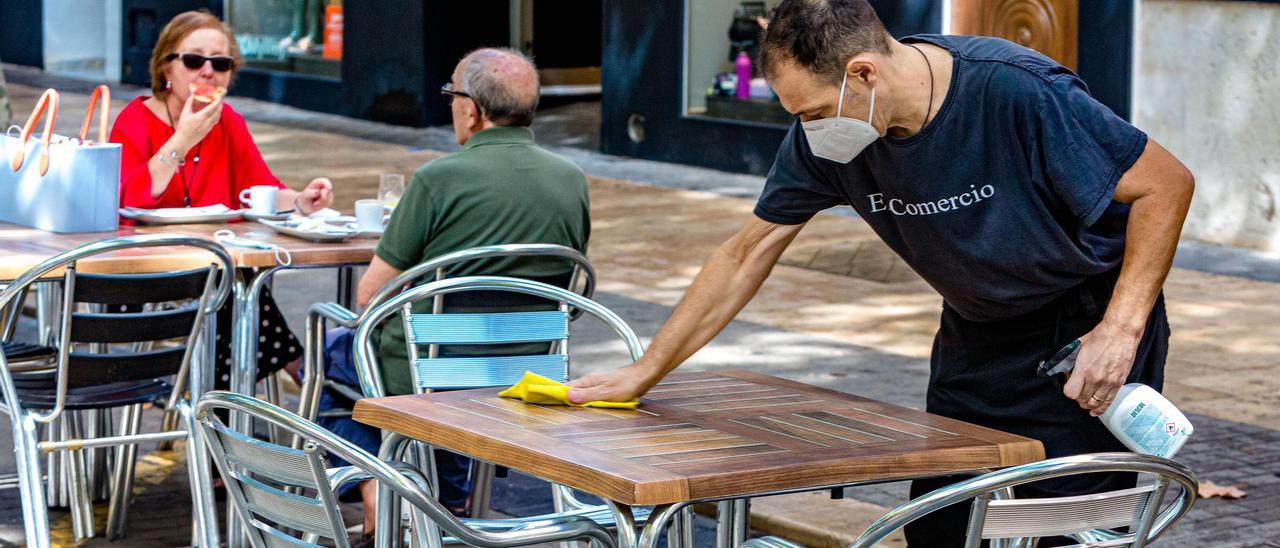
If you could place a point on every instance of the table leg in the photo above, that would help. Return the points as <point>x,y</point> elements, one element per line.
<point>48,295</point>
<point>244,344</point>
<point>680,533</point>
<point>244,340</point>
<point>659,519</point>
<point>625,523</point>
<point>347,287</point>
<point>741,520</point>
<point>724,524</point>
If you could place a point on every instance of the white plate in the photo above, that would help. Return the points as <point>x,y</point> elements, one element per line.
<point>281,216</point>
<point>290,228</point>
<point>176,216</point>
<point>369,234</point>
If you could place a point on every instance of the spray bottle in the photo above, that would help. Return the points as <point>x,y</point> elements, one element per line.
<point>1141,418</point>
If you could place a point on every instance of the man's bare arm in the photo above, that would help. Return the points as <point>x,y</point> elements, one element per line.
<point>1158,188</point>
<point>728,280</point>
<point>377,276</point>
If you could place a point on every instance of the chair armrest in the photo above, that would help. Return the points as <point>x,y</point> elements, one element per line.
<point>333,312</point>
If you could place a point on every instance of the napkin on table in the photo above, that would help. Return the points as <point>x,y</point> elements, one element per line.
<point>537,389</point>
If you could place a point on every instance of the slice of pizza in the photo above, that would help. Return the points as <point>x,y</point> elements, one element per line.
<point>206,93</point>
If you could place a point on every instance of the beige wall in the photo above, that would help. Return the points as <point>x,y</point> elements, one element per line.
<point>1208,89</point>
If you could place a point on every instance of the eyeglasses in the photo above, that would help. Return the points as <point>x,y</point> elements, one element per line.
<point>448,91</point>
<point>195,61</point>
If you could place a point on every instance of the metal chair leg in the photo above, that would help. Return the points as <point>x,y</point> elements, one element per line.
<point>55,481</point>
<point>35,513</point>
<point>122,482</point>
<point>481,488</point>
<point>204,513</point>
<point>78,482</point>
<point>171,419</point>
<point>98,424</point>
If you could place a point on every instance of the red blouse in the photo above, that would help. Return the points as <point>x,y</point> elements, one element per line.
<point>228,162</point>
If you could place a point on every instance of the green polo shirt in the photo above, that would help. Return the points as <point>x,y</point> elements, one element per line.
<point>500,188</point>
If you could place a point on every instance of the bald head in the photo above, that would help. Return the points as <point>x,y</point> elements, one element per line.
<point>503,83</point>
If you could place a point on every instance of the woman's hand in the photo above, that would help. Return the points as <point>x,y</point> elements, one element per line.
<point>318,195</point>
<point>194,125</point>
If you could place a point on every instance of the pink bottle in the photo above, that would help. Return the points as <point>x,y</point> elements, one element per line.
<point>743,65</point>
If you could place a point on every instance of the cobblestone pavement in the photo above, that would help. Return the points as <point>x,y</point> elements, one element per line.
<point>861,327</point>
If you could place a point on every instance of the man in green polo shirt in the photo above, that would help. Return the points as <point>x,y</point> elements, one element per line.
<point>501,188</point>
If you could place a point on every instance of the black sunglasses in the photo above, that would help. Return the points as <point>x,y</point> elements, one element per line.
<point>195,61</point>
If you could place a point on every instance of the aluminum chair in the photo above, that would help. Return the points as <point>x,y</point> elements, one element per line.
<point>322,314</point>
<point>581,279</point>
<point>288,495</point>
<point>1093,520</point>
<point>432,373</point>
<point>104,361</point>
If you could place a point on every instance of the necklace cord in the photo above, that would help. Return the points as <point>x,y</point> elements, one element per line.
<point>928,112</point>
<point>186,186</point>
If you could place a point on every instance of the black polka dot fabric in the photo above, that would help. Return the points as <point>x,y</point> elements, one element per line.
<point>277,346</point>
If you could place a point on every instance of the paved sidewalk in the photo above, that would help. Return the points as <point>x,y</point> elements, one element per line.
<point>839,311</point>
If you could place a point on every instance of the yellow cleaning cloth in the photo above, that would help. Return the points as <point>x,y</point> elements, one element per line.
<point>537,389</point>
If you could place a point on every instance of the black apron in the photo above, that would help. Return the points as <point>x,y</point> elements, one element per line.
<point>985,373</point>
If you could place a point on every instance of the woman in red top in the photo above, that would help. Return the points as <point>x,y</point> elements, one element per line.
<point>182,152</point>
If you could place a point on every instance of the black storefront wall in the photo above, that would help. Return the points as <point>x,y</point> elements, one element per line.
<point>396,55</point>
<point>142,20</point>
<point>21,34</point>
<point>642,74</point>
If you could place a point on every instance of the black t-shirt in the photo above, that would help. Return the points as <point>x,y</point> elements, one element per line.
<point>1002,201</point>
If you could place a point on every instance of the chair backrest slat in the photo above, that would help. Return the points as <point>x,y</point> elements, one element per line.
<point>137,289</point>
<point>248,464</point>
<point>89,369</point>
<point>481,372</point>
<point>495,328</point>
<point>132,326</point>
<point>276,539</point>
<point>1065,515</point>
<point>281,464</point>
<point>305,514</point>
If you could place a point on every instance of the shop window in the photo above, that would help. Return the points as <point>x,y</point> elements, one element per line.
<point>298,36</point>
<point>721,76</point>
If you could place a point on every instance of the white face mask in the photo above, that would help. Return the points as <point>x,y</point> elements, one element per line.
<point>840,139</point>
<point>227,237</point>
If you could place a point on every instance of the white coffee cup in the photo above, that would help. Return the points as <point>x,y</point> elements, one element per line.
<point>369,214</point>
<point>260,199</point>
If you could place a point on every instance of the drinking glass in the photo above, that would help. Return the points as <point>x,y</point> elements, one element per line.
<point>390,188</point>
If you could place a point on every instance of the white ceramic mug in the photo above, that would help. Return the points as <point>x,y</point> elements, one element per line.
<point>260,199</point>
<point>369,214</point>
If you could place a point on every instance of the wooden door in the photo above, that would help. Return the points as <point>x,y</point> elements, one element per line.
<point>1047,26</point>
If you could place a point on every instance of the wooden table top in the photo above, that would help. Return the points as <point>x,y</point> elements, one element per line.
<point>23,247</point>
<point>702,436</point>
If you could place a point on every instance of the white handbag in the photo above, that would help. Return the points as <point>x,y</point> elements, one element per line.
<point>56,183</point>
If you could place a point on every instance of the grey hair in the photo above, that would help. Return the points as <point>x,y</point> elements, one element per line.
<point>503,83</point>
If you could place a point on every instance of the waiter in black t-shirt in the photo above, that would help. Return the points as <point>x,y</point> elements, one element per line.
<point>993,173</point>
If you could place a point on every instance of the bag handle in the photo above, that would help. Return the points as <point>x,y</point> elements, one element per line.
<point>104,93</point>
<point>50,97</point>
